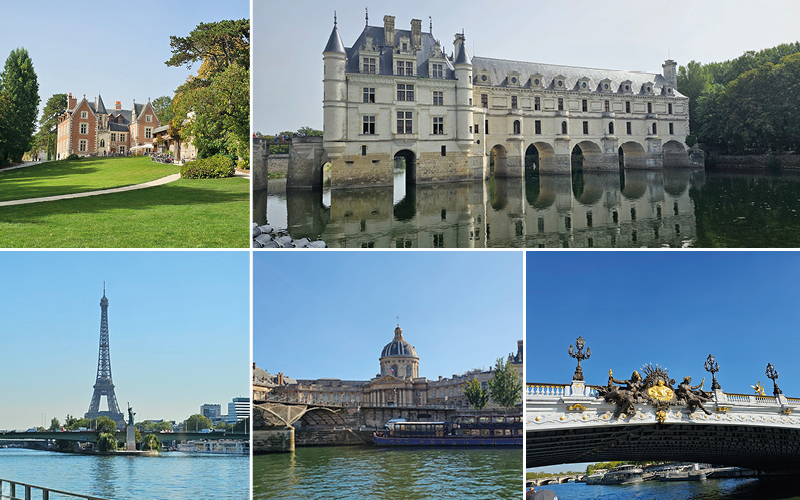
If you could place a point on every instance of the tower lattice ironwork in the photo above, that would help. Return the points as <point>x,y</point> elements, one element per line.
<point>104,385</point>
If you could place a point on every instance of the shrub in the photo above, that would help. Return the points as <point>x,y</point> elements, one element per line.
<point>73,156</point>
<point>216,167</point>
<point>151,442</point>
<point>691,140</point>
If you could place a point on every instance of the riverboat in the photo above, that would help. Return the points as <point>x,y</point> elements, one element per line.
<point>624,474</point>
<point>596,476</point>
<point>485,430</point>
<point>217,447</point>
<point>695,475</point>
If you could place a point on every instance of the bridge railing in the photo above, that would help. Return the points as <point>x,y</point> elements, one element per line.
<point>15,490</point>
<point>755,399</point>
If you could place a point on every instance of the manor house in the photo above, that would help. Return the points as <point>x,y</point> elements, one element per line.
<point>87,128</point>
<point>395,94</point>
<point>398,383</point>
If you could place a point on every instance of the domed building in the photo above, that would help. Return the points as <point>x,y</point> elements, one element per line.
<point>399,358</point>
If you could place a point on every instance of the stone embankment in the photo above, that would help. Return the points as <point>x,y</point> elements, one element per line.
<point>267,237</point>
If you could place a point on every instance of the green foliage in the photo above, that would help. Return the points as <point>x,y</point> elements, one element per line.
<point>73,156</point>
<point>242,425</point>
<point>149,426</point>
<point>197,422</point>
<point>151,442</point>
<point>691,140</point>
<point>223,426</point>
<point>693,80</point>
<point>104,425</point>
<point>76,423</point>
<point>19,105</point>
<point>216,167</point>
<point>505,387</point>
<point>309,132</point>
<point>217,45</point>
<point>55,425</point>
<point>476,394</point>
<point>106,442</point>
<point>163,108</point>
<point>48,124</point>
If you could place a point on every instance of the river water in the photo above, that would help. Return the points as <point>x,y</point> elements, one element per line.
<point>634,208</point>
<point>349,472</point>
<point>712,489</point>
<point>172,475</point>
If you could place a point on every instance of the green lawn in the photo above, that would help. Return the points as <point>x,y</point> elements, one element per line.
<point>76,176</point>
<point>184,213</point>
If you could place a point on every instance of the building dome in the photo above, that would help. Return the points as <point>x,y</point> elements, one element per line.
<point>398,346</point>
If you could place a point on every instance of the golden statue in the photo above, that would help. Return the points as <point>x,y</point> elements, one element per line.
<point>759,389</point>
<point>660,392</point>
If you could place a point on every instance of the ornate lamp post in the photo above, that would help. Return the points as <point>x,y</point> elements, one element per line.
<point>713,367</point>
<point>579,355</point>
<point>773,374</point>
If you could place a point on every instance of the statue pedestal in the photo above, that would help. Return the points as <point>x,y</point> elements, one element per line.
<point>130,442</point>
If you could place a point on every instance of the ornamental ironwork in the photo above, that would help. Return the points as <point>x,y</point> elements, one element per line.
<point>712,366</point>
<point>579,355</point>
<point>772,373</point>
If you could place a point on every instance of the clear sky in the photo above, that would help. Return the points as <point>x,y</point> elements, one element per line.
<point>117,48</point>
<point>666,308</point>
<point>288,38</point>
<point>329,314</point>
<point>178,332</point>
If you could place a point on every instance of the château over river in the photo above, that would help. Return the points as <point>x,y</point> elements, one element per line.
<point>172,475</point>
<point>674,207</point>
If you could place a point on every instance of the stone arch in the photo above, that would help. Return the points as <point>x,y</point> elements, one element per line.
<point>497,160</point>
<point>531,159</point>
<point>409,162</point>
<point>633,184</point>
<point>517,127</point>
<point>547,153</point>
<point>591,154</point>
<point>632,155</point>
<point>674,154</point>
<point>676,181</point>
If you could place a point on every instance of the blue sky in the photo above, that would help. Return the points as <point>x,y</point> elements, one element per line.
<point>178,332</point>
<point>666,308</point>
<point>288,38</point>
<point>118,48</point>
<point>329,314</point>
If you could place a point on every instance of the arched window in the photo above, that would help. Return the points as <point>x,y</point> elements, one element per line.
<point>610,127</point>
<point>516,127</point>
<point>408,371</point>
<point>654,128</point>
<point>394,370</point>
<point>102,143</point>
<point>563,127</point>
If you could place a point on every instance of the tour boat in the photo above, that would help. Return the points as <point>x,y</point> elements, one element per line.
<point>596,477</point>
<point>216,447</point>
<point>487,430</point>
<point>624,474</point>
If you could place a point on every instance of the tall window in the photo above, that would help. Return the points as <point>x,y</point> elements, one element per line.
<point>486,126</point>
<point>148,132</point>
<point>516,127</point>
<point>84,129</point>
<point>405,92</point>
<point>671,129</point>
<point>513,102</point>
<point>438,125</point>
<point>438,98</point>
<point>113,137</point>
<point>561,104</point>
<point>484,100</point>
<point>537,103</point>
<point>82,145</point>
<point>628,127</point>
<point>585,105</point>
<point>564,127</point>
<point>84,114</point>
<point>669,108</point>
<point>369,125</point>
<point>607,106</point>
<point>654,128</point>
<point>627,106</point>
<point>148,118</point>
<point>103,142</point>
<point>369,66</point>
<point>649,107</point>
<point>585,128</point>
<point>437,70</point>
<point>477,129</point>
<point>122,137</point>
<point>611,128</point>
<point>369,94</point>
<point>537,127</point>
<point>405,68</point>
<point>404,122</point>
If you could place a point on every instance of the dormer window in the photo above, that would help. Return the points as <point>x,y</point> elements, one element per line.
<point>405,68</point>
<point>368,65</point>
<point>405,47</point>
<point>605,85</point>
<point>437,70</point>
<point>483,78</point>
<point>558,82</point>
<point>513,79</point>
<point>625,87</point>
<point>647,88</point>
<point>536,80</point>
<point>583,84</point>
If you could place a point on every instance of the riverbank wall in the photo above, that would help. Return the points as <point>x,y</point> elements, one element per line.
<point>753,161</point>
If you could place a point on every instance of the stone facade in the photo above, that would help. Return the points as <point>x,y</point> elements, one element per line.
<point>89,129</point>
<point>395,95</point>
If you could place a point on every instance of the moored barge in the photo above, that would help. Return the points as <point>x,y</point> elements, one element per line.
<point>488,430</point>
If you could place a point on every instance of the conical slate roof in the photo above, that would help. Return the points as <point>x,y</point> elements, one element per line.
<point>463,57</point>
<point>334,42</point>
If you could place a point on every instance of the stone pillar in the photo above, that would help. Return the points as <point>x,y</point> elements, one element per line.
<point>655,157</point>
<point>561,162</point>
<point>610,161</point>
<point>515,159</point>
<point>130,438</point>
<point>258,162</point>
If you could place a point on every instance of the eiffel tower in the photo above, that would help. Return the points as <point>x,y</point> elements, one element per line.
<point>104,386</point>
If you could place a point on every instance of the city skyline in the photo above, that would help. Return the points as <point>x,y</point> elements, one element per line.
<point>117,51</point>
<point>292,37</point>
<point>311,331</point>
<point>178,332</point>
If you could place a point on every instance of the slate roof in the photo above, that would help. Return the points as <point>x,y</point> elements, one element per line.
<point>499,70</point>
<point>117,127</point>
<point>100,107</point>
<point>334,42</point>
<point>386,61</point>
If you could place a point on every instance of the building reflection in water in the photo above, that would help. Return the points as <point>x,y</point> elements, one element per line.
<point>633,208</point>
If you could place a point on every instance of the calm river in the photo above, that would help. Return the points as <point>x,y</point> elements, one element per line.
<point>713,489</point>
<point>381,473</point>
<point>173,475</point>
<point>633,208</point>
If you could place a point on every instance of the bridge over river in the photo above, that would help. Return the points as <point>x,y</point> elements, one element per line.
<point>650,417</point>
<point>91,436</point>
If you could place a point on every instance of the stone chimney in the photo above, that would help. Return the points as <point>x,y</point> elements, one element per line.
<point>416,34</point>
<point>388,29</point>
<point>670,71</point>
<point>71,102</point>
<point>118,105</point>
<point>519,349</point>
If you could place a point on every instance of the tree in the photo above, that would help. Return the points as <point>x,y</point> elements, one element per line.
<point>48,124</point>
<point>163,108</point>
<point>106,442</point>
<point>76,423</point>
<point>476,394</point>
<point>151,442</point>
<point>223,426</point>
<point>197,422</point>
<point>218,45</point>
<point>104,425</point>
<point>242,425</point>
<point>18,83</point>
<point>505,387</point>
<point>309,132</point>
<point>693,80</point>
<point>55,425</point>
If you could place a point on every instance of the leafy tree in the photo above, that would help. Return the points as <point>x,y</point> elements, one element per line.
<point>48,124</point>
<point>223,426</point>
<point>149,426</point>
<point>77,423</point>
<point>505,387</point>
<point>104,425</point>
<point>55,425</point>
<point>693,80</point>
<point>151,442</point>
<point>476,394</point>
<point>242,425</point>
<point>309,132</point>
<point>197,422</point>
<point>106,442</point>
<point>163,108</point>
<point>218,45</point>
<point>18,83</point>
